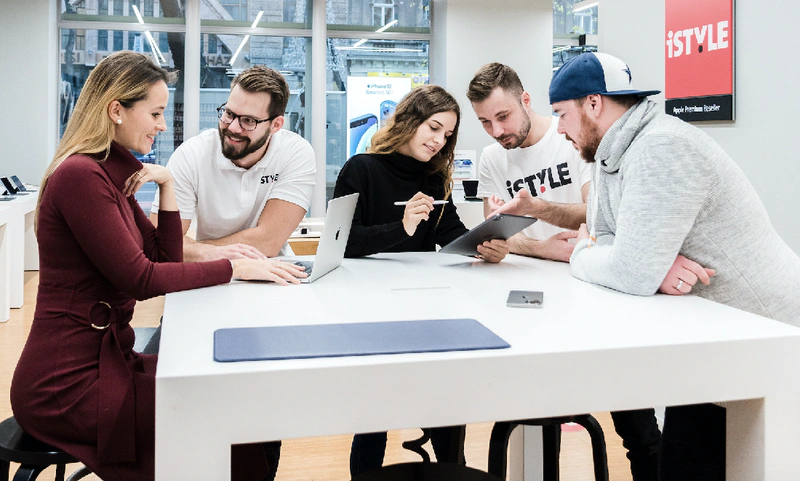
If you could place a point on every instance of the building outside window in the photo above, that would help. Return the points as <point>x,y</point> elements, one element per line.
<point>573,22</point>
<point>102,40</point>
<point>356,54</point>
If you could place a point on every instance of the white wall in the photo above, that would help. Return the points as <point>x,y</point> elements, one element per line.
<point>471,33</point>
<point>762,139</point>
<point>28,88</point>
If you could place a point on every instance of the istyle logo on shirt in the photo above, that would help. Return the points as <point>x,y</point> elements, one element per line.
<point>268,179</point>
<point>535,183</point>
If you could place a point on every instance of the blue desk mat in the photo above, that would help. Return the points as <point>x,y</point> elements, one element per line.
<point>359,339</point>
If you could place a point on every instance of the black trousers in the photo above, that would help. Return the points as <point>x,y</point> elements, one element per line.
<point>693,447</point>
<point>642,438</point>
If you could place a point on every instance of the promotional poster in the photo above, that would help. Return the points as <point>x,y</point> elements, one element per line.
<point>370,102</point>
<point>699,59</point>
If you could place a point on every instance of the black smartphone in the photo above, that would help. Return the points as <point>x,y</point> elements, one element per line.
<point>20,186</point>
<point>10,188</point>
<point>533,299</point>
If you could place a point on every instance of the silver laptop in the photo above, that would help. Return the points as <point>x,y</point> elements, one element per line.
<point>333,240</point>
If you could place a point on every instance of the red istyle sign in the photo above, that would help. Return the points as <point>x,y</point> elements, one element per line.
<point>699,48</point>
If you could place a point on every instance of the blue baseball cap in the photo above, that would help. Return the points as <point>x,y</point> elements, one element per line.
<point>593,73</point>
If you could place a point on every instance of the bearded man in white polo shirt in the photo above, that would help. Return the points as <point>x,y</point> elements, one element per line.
<point>249,183</point>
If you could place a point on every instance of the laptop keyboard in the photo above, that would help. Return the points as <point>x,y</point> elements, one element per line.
<point>309,265</point>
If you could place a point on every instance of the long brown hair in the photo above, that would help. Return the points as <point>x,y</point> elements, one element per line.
<point>123,76</point>
<point>415,108</point>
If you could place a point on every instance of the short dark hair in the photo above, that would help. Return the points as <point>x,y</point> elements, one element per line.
<point>260,78</point>
<point>626,101</point>
<point>491,76</point>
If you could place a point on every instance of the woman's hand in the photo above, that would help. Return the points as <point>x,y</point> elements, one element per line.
<point>280,272</point>
<point>150,172</point>
<point>494,250</point>
<point>417,210</point>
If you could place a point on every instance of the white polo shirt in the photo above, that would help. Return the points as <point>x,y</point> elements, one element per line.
<point>226,199</point>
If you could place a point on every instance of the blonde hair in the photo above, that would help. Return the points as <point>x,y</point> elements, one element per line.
<point>415,108</point>
<point>122,76</point>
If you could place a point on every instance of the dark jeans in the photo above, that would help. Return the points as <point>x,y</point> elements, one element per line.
<point>641,437</point>
<point>693,447</point>
<point>368,449</point>
<point>248,462</point>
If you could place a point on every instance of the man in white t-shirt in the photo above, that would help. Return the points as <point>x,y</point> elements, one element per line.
<point>531,160</point>
<point>532,164</point>
<point>248,183</point>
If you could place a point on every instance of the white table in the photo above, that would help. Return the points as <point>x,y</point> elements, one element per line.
<point>589,349</point>
<point>21,245</point>
<point>6,215</point>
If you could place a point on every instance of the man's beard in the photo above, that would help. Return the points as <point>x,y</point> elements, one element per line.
<point>518,138</point>
<point>592,138</point>
<point>238,152</point>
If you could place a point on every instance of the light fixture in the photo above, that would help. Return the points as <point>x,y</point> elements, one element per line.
<point>584,5</point>
<point>380,30</point>
<point>388,25</point>
<point>156,52</point>
<point>246,37</point>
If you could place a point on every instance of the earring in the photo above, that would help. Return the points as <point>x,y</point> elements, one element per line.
<point>119,121</point>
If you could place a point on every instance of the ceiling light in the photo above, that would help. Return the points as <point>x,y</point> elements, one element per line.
<point>246,38</point>
<point>584,5</point>
<point>156,52</point>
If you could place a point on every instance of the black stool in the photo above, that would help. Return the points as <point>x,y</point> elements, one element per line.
<point>17,446</point>
<point>425,470</point>
<point>551,437</point>
<point>422,471</point>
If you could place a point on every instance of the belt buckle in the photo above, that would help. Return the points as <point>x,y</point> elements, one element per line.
<point>102,328</point>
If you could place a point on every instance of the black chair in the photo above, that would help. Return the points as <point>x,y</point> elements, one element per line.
<point>17,446</point>
<point>551,436</point>
<point>144,337</point>
<point>426,470</point>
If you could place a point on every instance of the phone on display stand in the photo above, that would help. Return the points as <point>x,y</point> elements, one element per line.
<point>358,127</point>
<point>533,299</point>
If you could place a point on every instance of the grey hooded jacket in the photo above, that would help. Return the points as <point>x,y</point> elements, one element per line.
<point>662,187</point>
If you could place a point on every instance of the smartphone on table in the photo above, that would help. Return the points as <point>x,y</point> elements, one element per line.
<point>533,299</point>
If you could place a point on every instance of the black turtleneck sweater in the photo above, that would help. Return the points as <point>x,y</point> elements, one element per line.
<point>381,180</point>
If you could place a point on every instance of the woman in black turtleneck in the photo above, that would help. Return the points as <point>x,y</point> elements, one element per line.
<point>410,159</point>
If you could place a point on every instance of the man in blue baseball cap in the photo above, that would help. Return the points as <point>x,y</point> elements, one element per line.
<point>665,199</point>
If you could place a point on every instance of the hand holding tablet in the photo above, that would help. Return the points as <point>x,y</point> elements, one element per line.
<point>500,226</point>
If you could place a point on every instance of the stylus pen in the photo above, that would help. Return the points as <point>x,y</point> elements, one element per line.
<point>435,202</point>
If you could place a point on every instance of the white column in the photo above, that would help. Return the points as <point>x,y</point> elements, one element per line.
<point>319,33</point>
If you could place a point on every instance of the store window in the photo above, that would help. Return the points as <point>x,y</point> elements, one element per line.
<point>90,10</point>
<point>220,64</point>
<point>77,63</point>
<point>574,25</point>
<point>365,82</point>
<point>575,17</point>
<point>358,52</point>
<point>367,15</point>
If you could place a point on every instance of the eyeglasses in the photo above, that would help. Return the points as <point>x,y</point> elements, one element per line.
<point>245,122</point>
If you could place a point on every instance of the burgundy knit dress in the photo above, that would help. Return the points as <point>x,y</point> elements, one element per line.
<point>78,385</point>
